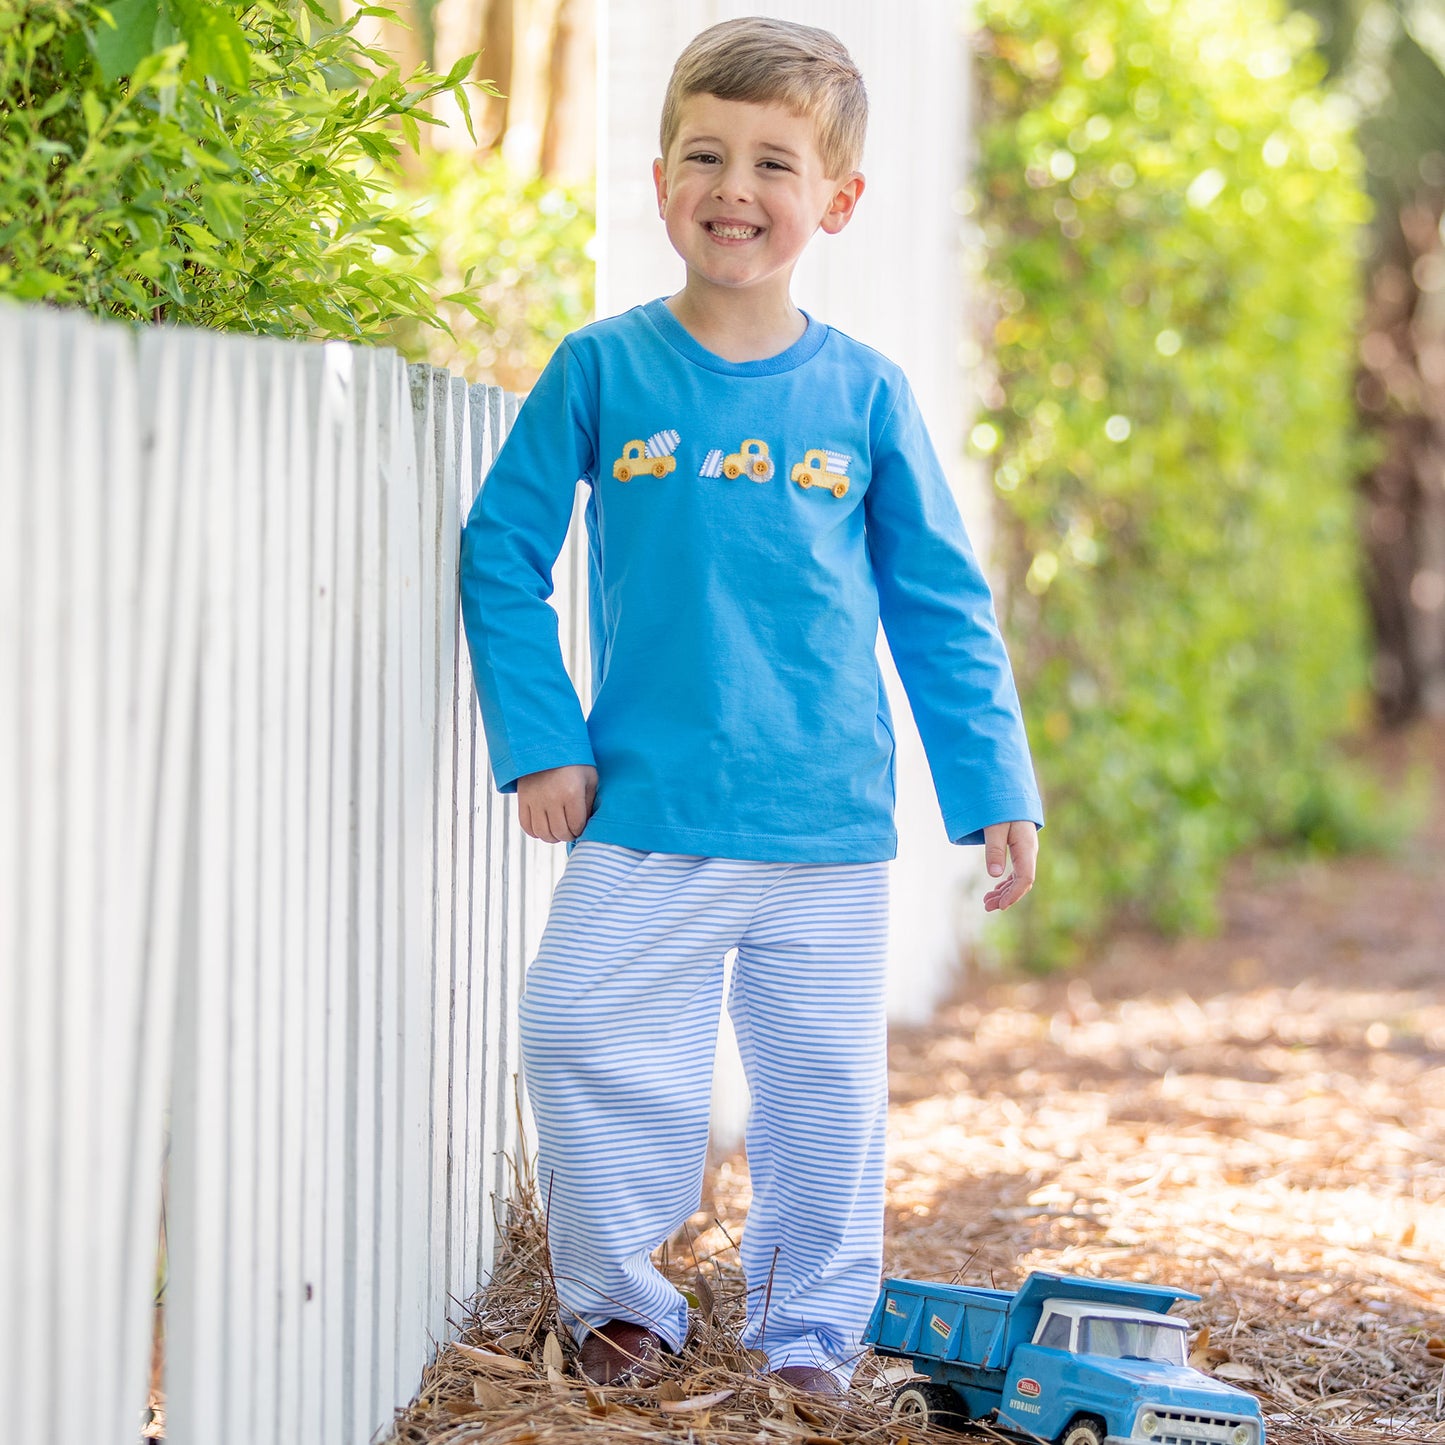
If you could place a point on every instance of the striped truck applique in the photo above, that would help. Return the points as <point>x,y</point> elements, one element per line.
<point>823,468</point>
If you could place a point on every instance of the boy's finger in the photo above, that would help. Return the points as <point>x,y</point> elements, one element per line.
<point>1025,850</point>
<point>995,847</point>
<point>575,816</point>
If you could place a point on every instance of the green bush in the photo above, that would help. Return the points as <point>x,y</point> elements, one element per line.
<point>518,246</point>
<point>1171,211</point>
<point>212,162</point>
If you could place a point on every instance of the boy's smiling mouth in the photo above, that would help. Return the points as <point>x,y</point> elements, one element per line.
<point>731,231</point>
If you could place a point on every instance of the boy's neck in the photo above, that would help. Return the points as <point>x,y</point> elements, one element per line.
<point>737,326</point>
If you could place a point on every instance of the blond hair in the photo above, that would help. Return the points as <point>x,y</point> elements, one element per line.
<point>776,62</point>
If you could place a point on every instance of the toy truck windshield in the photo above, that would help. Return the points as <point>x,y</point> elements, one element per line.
<point>1123,1339</point>
<point>1114,1334</point>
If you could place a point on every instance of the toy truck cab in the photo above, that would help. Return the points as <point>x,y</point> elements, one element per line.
<point>1073,1361</point>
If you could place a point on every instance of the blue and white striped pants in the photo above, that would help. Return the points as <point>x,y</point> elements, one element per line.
<point>619,1022</point>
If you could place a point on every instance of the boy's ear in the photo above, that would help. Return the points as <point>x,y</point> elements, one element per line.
<point>844,203</point>
<point>659,181</point>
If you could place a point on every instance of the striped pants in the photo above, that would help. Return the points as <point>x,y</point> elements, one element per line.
<point>619,1022</point>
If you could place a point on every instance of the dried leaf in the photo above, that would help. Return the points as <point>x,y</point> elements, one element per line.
<point>807,1414</point>
<point>1235,1370</point>
<point>694,1403</point>
<point>489,1396</point>
<point>669,1392</point>
<point>558,1380</point>
<point>706,1300</point>
<point>596,1403</point>
<point>459,1407</point>
<point>552,1355</point>
<point>1435,1346</point>
<point>489,1360</point>
<point>1205,1356</point>
<point>517,1341</point>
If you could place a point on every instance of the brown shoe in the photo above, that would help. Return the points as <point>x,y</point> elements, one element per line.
<point>621,1353</point>
<point>810,1379</point>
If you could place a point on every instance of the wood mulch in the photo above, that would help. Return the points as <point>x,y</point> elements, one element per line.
<point>1258,1117</point>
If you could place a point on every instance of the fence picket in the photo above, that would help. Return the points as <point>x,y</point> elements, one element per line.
<point>314,454</point>
<point>16,504</point>
<point>288,505</point>
<point>339,1365</point>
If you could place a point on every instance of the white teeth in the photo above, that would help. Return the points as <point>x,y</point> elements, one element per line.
<point>733,233</point>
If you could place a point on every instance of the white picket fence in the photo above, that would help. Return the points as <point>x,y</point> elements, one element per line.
<point>256,894</point>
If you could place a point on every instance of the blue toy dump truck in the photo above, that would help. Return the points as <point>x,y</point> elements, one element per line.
<point>1067,1360</point>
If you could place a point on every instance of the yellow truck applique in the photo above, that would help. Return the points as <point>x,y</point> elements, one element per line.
<point>654,455</point>
<point>751,459</point>
<point>820,468</point>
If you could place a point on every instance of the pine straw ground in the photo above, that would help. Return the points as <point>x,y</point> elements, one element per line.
<point>1259,1118</point>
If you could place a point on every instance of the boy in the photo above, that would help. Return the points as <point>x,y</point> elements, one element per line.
<point>762,490</point>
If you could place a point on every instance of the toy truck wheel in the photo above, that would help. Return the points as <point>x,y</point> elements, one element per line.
<point>732,471</point>
<point>839,488</point>
<point>1083,1431</point>
<point>762,468</point>
<point>659,468</point>
<point>928,1406</point>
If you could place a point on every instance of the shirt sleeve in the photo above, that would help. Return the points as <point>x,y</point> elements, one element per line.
<point>938,616</point>
<point>518,524</point>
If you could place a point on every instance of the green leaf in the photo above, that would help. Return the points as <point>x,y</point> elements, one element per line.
<point>93,111</point>
<point>461,69</point>
<point>125,35</point>
<point>40,285</point>
<point>217,44</point>
<point>224,209</point>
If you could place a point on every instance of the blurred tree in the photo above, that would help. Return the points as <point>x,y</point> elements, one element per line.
<point>1171,210</point>
<point>540,55</point>
<point>1388,57</point>
<point>509,211</point>
<point>518,246</point>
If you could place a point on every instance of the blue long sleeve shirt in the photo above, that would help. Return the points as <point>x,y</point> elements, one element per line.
<point>749,526</point>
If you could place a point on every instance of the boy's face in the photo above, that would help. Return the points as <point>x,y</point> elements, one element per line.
<point>742,191</point>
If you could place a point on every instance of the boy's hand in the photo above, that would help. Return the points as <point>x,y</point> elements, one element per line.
<point>555,804</point>
<point>1022,841</point>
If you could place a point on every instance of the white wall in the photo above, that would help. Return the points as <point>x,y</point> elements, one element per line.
<point>892,279</point>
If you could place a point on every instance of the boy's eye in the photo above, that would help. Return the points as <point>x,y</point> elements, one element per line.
<point>774,165</point>
<point>706,158</point>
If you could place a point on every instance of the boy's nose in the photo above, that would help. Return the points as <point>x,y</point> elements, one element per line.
<point>734,183</point>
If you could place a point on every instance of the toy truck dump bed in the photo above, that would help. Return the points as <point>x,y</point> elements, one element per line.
<point>1063,1359</point>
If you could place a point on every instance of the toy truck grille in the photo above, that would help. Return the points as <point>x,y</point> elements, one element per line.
<point>1187,1427</point>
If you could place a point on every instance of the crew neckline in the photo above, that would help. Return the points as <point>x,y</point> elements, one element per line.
<point>682,340</point>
